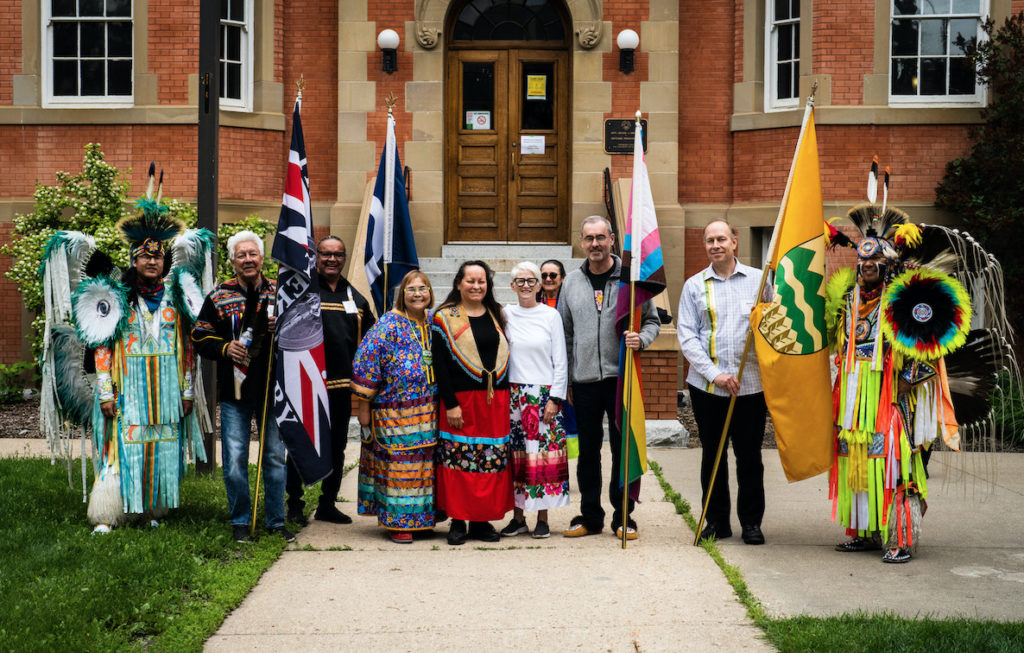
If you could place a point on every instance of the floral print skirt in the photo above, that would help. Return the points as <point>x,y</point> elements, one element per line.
<point>540,466</point>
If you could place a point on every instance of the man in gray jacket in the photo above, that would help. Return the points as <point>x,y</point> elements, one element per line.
<point>587,305</point>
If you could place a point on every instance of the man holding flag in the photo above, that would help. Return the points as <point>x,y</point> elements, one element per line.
<point>713,321</point>
<point>588,307</point>
<point>301,404</point>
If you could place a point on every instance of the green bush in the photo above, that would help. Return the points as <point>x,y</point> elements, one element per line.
<point>13,381</point>
<point>258,226</point>
<point>91,201</point>
<point>1008,409</point>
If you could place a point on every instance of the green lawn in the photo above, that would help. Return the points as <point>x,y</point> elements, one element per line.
<point>853,633</point>
<point>168,588</point>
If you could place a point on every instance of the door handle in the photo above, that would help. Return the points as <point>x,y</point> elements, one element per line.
<point>512,165</point>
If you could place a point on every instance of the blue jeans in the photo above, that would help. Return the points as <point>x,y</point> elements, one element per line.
<point>235,426</point>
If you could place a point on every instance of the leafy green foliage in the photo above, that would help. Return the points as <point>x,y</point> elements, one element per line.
<point>1008,408</point>
<point>986,188</point>
<point>91,201</point>
<point>163,589</point>
<point>258,226</point>
<point>13,381</point>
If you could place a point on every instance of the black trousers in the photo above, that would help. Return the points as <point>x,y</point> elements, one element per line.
<point>594,401</point>
<point>340,404</point>
<point>746,431</point>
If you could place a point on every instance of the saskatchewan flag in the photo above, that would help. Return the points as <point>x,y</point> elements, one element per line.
<point>789,332</point>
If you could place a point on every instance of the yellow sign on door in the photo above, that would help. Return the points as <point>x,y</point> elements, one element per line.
<point>536,87</point>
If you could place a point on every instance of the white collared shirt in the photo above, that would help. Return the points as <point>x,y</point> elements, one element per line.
<point>713,320</point>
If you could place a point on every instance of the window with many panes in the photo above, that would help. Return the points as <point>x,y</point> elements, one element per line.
<point>88,51</point>
<point>236,54</point>
<point>927,65</point>
<point>782,54</point>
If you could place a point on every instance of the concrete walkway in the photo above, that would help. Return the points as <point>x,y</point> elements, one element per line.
<point>342,588</point>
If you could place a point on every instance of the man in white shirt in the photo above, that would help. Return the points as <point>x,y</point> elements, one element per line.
<point>713,319</point>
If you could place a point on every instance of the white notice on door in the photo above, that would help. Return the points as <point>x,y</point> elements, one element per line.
<point>478,120</point>
<point>532,145</point>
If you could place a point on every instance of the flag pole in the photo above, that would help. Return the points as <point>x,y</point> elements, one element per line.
<point>389,193</point>
<point>624,448</point>
<point>750,333</point>
<point>263,432</point>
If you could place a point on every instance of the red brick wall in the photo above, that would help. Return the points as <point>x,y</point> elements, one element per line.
<point>707,45</point>
<point>660,381</point>
<point>311,50</point>
<point>173,47</point>
<point>391,15</point>
<point>10,48</point>
<point>844,41</point>
<point>625,87</point>
<point>11,335</point>
<point>916,154</point>
<point>695,256</point>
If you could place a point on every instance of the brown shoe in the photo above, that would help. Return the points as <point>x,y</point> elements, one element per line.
<point>578,529</point>
<point>630,533</point>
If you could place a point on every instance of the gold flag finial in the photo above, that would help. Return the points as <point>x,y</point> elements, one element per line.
<point>390,102</point>
<point>301,84</point>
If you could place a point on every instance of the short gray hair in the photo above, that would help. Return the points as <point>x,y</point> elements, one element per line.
<point>241,237</point>
<point>593,219</point>
<point>527,266</point>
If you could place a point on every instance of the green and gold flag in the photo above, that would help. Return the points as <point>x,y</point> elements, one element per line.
<point>789,332</point>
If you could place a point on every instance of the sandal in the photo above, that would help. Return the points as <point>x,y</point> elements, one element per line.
<point>858,544</point>
<point>896,556</point>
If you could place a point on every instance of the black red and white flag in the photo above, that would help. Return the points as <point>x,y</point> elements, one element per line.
<point>300,388</point>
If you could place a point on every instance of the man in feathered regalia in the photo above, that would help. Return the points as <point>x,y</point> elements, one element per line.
<point>896,324</point>
<point>137,325</point>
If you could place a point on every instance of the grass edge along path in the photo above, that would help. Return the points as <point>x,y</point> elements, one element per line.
<point>137,588</point>
<point>857,631</point>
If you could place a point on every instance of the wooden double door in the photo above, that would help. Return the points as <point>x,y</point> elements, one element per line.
<point>507,144</point>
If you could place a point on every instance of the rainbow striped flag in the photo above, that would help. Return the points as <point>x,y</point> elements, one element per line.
<point>643,277</point>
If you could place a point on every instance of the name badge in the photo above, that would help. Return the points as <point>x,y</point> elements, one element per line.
<point>349,306</point>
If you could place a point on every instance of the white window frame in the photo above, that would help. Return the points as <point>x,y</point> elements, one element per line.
<point>771,100</point>
<point>977,99</point>
<point>79,101</point>
<point>248,36</point>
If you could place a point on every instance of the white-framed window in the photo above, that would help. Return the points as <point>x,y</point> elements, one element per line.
<point>926,64</point>
<point>87,53</point>
<point>782,55</point>
<point>236,37</point>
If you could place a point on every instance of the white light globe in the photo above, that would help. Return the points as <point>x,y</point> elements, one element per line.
<point>387,40</point>
<point>628,40</point>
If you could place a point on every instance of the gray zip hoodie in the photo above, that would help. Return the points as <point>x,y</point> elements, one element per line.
<point>590,339</point>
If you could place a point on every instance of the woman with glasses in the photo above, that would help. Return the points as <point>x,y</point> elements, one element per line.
<point>551,274</point>
<point>393,376</point>
<point>539,373</point>
<point>474,481</point>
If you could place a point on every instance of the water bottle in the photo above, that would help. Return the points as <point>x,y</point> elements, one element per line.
<point>246,337</point>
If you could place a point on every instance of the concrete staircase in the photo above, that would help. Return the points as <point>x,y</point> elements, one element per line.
<point>500,256</point>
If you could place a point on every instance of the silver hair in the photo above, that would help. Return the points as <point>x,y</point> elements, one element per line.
<point>595,219</point>
<point>528,266</point>
<point>241,237</point>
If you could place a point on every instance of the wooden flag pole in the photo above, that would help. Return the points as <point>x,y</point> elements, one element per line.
<point>263,432</point>
<point>750,332</point>
<point>624,450</point>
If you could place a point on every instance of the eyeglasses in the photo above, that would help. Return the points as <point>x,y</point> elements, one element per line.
<point>600,238</point>
<point>548,275</point>
<point>332,254</point>
<point>527,283</point>
<point>417,290</point>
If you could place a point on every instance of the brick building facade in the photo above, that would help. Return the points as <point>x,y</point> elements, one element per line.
<point>719,143</point>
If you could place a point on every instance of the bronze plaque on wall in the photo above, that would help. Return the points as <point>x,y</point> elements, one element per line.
<point>619,135</point>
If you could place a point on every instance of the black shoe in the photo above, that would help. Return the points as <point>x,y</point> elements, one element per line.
<point>240,533</point>
<point>483,531</point>
<point>296,516</point>
<point>515,528</point>
<point>541,530</point>
<point>283,532</point>
<point>331,513</point>
<point>716,531</point>
<point>457,532</point>
<point>752,534</point>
